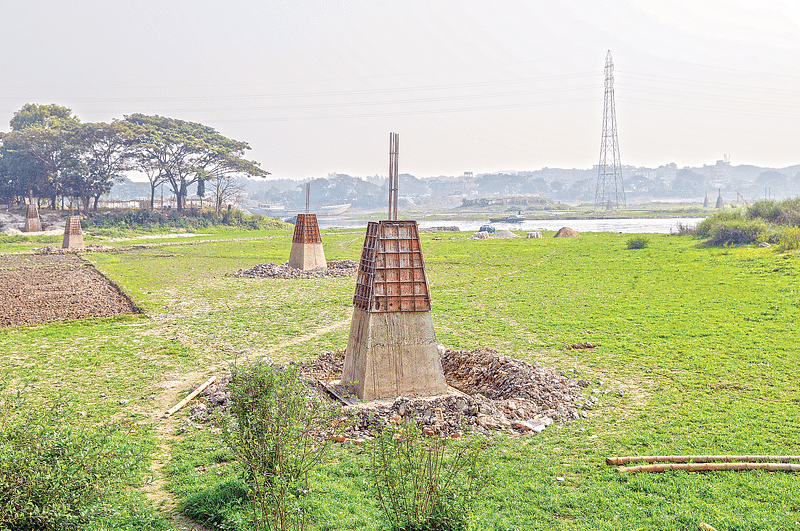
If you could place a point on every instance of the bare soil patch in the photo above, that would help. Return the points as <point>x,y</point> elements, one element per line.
<point>37,289</point>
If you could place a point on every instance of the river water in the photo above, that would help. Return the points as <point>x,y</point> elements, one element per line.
<point>628,226</point>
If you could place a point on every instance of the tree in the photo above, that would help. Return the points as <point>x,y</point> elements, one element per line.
<point>106,155</point>
<point>183,153</point>
<point>224,190</point>
<point>41,149</point>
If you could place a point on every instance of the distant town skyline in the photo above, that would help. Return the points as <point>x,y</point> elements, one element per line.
<point>316,88</point>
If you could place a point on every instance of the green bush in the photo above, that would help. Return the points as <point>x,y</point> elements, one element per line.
<point>637,242</point>
<point>276,428</point>
<point>739,232</point>
<point>147,220</point>
<point>426,483</point>
<point>707,227</point>
<point>789,238</point>
<point>53,473</point>
<point>786,212</point>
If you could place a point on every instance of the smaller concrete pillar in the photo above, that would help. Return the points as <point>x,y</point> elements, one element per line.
<point>32,221</point>
<point>307,252</point>
<point>73,237</point>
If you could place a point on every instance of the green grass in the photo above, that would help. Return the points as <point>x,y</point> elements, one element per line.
<point>700,340</point>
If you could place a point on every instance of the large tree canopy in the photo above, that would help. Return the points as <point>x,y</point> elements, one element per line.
<point>186,152</point>
<point>50,153</point>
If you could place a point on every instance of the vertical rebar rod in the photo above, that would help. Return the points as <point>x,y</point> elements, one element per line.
<point>394,149</point>
<point>308,195</point>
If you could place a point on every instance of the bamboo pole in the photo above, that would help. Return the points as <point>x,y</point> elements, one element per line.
<point>191,395</point>
<point>701,458</point>
<point>702,467</point>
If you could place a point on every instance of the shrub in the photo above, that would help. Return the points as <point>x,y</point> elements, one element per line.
<point>786,212</point>
<point>637,242</point>
<point>53,474</point>
<point>276,429</point>
<point>708,226</point>
<point>193,218</point>
<point>426,483</point>
<point>738,232</point>
<point>684,229</point>
<point>789,238</point>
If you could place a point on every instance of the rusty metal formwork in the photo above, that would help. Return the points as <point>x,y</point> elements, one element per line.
<point>73,226</point>
<point>306,229</point>
<point>33,212</point>
<point>391,274</point>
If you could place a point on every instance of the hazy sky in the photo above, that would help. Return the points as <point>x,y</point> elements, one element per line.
<point>316,87</point>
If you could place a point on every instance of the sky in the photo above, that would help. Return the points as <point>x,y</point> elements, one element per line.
<point>316,87</point>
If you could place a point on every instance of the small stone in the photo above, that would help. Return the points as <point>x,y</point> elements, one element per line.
<point>339,438</point>
<point>102,395</point>
<point>123,401</point>
<point>559,478</point>
<point>621,391</point>
<point>427,431</point>
<point>358,442</point>
<point>82,413</point>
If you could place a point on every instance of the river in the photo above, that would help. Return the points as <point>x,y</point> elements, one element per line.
<point>628,226</point>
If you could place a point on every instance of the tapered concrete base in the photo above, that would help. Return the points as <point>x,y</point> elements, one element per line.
<point>393,354</point>
<point>307,256</point>
<point>33,225</point>
<point>73,236</point>
<point>32,221</point>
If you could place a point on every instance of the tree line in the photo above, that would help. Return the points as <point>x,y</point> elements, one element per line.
<point>51,155</point>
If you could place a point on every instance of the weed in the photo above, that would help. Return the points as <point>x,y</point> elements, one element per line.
<point>53,473</point>
<point>276,429</point>
<point>789,238</point>
<point>425,483</point>
<point>637,242</point>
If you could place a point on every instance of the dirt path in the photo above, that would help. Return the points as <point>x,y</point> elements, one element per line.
<point>166,428</point>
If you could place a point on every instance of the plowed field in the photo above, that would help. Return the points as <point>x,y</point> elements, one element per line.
<point>38,289</point>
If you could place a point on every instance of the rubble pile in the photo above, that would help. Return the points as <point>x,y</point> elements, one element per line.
<point>336,268</point>
<point>91,248</point>
<point>491,392</point>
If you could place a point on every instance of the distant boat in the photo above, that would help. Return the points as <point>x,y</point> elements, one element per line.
<point>513,218</point>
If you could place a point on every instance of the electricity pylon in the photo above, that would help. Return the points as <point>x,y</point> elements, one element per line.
<point>610,191</point>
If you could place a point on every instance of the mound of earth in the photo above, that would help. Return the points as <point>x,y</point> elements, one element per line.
<point>505,233</point>
<point>491,392</point>
<point>565,232</point>
<point>336,268</point>
<point>37,289</point>
<point>92,248</point>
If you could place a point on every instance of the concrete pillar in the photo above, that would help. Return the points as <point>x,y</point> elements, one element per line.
<point>32,221</point>
<point>307,252</point>
<point>392,348</point>
<point>73,237</point>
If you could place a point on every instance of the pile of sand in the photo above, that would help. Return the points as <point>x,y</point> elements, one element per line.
<point>505,233</point>
<point>566,232</point>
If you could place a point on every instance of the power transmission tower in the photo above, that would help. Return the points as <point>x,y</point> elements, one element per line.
<point>610,191</point>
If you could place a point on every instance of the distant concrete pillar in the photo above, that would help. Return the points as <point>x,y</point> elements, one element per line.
<point>307,252</point>
<point>720,204</point>
<point>392,347</point>
<point>32,221</point>
<point>73,237</point>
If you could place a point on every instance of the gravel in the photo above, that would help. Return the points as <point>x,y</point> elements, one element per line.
<point>336,268</point>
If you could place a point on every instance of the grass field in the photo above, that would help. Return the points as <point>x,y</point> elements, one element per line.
<point>697,350</point>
